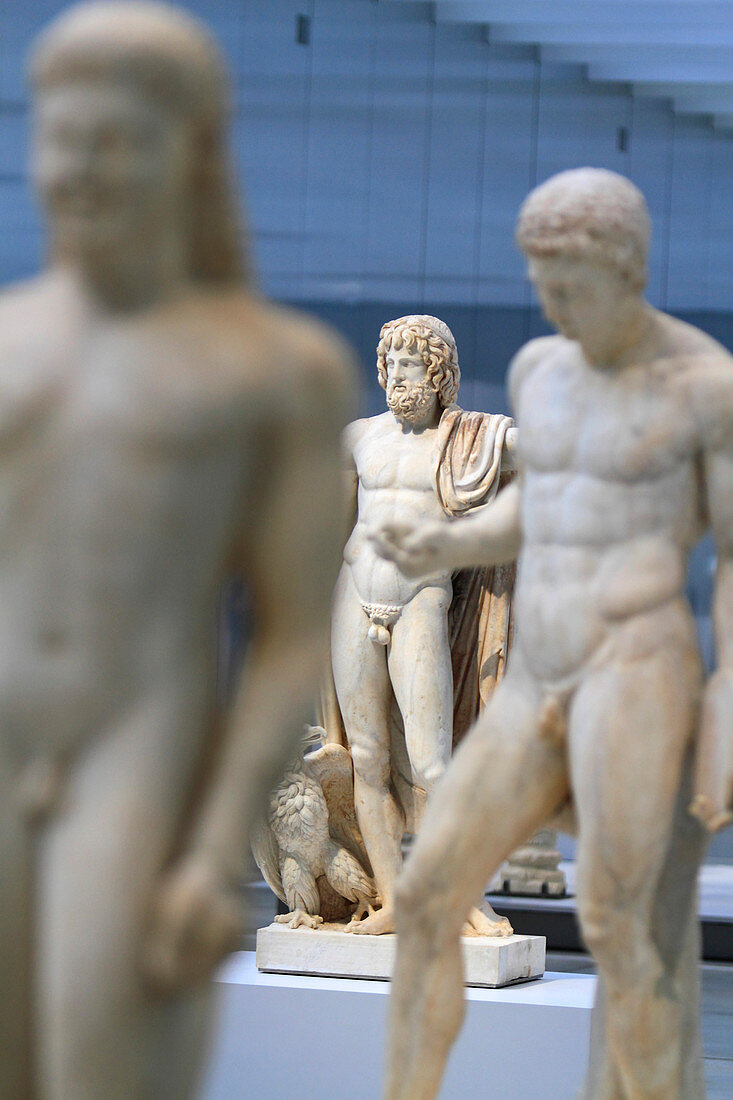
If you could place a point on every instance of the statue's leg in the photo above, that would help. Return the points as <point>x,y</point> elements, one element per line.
<point>629,728</point>
<point>676,929</point>
<point>101,1033</point>
<point>16,1030</point>
<point>674,920</point>
<point>503,783</point>
<point>422,679</point>
<point>364,694</point>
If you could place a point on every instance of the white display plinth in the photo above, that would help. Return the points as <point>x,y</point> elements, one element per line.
<point>491,961</point>
<point>316,1038</point>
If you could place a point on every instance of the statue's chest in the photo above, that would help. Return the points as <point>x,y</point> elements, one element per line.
<point>118,433</point>
<point>623,427</point>
<point>395,462</point>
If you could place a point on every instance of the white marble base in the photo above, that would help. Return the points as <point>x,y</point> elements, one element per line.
<point>284,1035</point>
<point>490,962</point>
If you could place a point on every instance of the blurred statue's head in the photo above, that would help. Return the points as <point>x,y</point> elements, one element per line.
<point>417,364</point>
<point>130,129</point>
<point>588,214</point>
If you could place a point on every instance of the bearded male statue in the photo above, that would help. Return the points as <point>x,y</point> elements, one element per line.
<point>413,659</point>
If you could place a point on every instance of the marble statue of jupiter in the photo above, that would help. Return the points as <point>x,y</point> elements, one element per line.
<point>390,633</point>
<point>162,428</point>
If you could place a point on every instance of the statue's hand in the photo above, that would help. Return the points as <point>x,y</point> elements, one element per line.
<point>417,550</point>
<point>196,920</point>
<point>713,794</point>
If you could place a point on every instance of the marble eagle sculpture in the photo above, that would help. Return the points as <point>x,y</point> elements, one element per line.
<point>309,849</point>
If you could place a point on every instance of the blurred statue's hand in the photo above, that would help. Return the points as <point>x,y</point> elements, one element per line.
<point>416,549</point>
<point>713,800</point>
<point>196,920</point>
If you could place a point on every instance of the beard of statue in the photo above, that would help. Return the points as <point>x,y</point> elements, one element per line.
<point>411,401</point>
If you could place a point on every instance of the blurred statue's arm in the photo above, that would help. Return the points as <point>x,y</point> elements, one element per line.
<point>291,559</point>
<point>492,534</point>
<point>509,463</point>
<point>292,537</point>
<point>488,536</point>
<point>713,802</point>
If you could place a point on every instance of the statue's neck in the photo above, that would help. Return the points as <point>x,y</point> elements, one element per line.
<point>631,330</point>
<point>128,279</point>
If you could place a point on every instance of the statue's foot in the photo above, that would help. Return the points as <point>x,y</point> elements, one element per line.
<point>485,922</point>
<point>364,907</point>
<point>378,923</point>
<point>299,919</point>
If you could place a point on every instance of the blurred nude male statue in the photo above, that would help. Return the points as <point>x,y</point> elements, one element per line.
<point>162,428</point>
<point>390,644</point>
<point>625,424</point>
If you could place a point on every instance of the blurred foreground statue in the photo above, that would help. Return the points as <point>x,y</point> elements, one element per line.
<point>415,659</point>
<point>162,428</point>
<point>625,458</point>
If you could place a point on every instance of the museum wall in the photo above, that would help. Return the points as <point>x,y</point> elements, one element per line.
<point>383,159</point>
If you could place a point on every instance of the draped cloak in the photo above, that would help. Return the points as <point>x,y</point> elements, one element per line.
<point>467,474</point>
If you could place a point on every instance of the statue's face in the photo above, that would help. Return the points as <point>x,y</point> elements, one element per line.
<point>411,395</point>
<point>580,299</point>
<point>404,368</point>
<point>109,165</point>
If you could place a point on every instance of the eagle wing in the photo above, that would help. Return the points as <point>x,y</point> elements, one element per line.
<point>267,857</point>
<point>331,767</point>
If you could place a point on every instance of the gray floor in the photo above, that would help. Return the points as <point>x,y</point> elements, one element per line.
<point>717,1017</point>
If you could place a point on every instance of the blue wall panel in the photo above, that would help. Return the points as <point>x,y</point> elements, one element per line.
<point>270,138</point>
<point>383,161</point>
<point>340,149</point>
<point>454,166</point>
<point>650,167</point>
<point>396,204</point>
<point>690,227</point>
<point>720,255</point>
<point>509,161</point>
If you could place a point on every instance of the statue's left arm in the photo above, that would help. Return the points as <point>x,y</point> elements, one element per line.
<point>291,552</point>
<point>713,801</point>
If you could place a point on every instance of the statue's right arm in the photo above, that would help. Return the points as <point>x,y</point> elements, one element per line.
<point>713,801</point>
<point>349,437</point>
<point>291,560</point>
<point>289,551</point>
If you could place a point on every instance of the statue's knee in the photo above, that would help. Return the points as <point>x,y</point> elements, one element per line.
<point>422,908</point>
<point>429,773</point>
<point>371,765</point>
<point>412,900</point>
<point>602,926</point>
<point>428,765</point>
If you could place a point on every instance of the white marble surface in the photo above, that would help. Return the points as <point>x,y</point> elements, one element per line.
<point>488,961</point>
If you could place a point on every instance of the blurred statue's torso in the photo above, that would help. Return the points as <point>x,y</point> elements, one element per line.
<point>123,440</point>
<point>610,506</point>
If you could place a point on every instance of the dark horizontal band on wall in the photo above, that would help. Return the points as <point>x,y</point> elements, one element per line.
<point>487,336</point>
